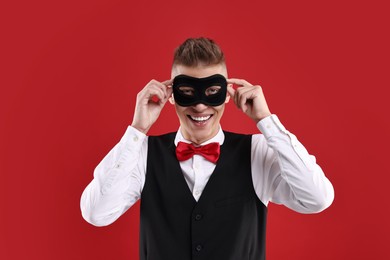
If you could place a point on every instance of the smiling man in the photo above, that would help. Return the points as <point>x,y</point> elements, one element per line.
<point>204,191</point>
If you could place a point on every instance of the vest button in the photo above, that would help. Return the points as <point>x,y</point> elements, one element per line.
<point>198,217</point>
<point>198,248</point>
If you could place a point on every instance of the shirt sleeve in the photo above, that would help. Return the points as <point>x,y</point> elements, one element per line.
<point>118,180</point>
<point>285,173</point>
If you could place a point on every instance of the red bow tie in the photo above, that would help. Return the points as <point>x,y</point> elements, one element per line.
<point>185,151</point>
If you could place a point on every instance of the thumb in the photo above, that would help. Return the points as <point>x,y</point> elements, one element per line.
<point>231,90</point>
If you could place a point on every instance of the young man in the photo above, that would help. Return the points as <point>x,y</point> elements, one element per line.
<point>204,192</point>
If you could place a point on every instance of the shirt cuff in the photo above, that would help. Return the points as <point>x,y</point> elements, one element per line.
<point>271,126</point>
<point>133,137</point>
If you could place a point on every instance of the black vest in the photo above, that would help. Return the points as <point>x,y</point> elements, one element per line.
<point>227,223</point>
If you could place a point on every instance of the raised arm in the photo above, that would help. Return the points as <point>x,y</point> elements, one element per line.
<point>282,170</point>
<point>120,176</point>
<point>285,173</point>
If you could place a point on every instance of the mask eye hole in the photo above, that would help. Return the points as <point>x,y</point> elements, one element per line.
<point>187,91</point>
<point>213,90</point>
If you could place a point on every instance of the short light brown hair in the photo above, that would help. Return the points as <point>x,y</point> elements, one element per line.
<point>198,51</point>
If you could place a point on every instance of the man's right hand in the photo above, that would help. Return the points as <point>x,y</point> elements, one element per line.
<point>150,101</point>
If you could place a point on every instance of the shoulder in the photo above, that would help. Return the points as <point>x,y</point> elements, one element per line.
<point>256,139</point>
<point>163,138</point>
<point>236,138</point>
<point>236,135</point>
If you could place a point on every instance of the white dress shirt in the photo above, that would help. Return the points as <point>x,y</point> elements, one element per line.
<point>282,172</point>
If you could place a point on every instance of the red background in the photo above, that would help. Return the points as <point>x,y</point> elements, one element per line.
<point>70,71</point>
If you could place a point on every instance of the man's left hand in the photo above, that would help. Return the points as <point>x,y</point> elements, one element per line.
<point>249,98</point>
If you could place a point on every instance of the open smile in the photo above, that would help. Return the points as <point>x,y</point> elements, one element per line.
<point>199,119</point>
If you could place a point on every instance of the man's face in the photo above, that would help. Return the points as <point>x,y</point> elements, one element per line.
<point>199,122</point>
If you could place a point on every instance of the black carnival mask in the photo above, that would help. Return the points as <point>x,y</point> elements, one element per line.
<point>189,91</point>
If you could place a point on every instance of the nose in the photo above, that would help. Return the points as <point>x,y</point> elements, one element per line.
<point>199,107</point>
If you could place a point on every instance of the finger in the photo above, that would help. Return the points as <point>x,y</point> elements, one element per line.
<point>169,94</point>
<point>236,94</point>
<point>166,86</point>
<point>245,90</point>
<point>156,97</point>
<point>245,95</point>
<point>240,82</point>
<point>238,100</point>
<point>235,97</point>
<point>168,82</point>
<point>231,91</point>
<point>168,90</point>
<point>161,85</point>
<point>243,102</point>
<point>153,90</point>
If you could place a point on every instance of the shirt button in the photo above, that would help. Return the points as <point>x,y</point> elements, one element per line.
<point>135,138</point>
<point>198,248</point>
<point>198,217</point>
<point>197,192</point>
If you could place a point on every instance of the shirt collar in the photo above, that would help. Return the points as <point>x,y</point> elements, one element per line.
<point>218,138</point>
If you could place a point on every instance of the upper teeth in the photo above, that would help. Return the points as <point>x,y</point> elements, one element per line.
<point>200,118</point>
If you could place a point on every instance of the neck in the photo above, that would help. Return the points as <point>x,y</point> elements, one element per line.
<point>197,140</point>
